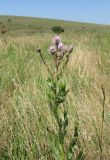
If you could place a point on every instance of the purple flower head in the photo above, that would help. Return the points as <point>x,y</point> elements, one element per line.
<point>60,46</point>
<point>52,50</point>
<point>56,40</point>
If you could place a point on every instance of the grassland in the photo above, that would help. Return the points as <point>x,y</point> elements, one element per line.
<point>30,26</point>
<point>24,111</point>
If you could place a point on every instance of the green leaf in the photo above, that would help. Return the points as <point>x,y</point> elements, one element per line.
<point>70,156</point>
<point>74,140</point>
<point>65,123</point>
<point>59,76</point>
<point>80,156</point>
<point>65,114</point>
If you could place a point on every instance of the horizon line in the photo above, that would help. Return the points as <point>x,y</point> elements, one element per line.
<point>58,19</point>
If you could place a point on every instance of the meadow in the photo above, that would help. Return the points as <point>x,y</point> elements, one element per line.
<point>25,117</point>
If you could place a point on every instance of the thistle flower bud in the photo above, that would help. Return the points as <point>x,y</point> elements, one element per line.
<point>52,50</point>
<point>70,49</point>
<point>65,49</point>
<point>56,40</point>
<point>38,50</point>
<point>60,54</point>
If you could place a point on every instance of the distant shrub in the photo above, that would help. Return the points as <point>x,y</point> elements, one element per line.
<point>83,27</point>
<point>9,20</point>
<point>57,29</point>
<point>0,22</point>
<point>4,31</point>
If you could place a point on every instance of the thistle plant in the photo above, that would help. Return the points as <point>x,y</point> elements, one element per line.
<point>57,94</point>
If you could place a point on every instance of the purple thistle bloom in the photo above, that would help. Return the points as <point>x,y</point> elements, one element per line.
<point>56,40</point>
<point>60,46</point>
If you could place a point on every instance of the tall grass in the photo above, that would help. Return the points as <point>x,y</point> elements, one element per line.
<point>24,113</point>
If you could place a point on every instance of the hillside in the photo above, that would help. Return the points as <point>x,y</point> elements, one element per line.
<point>75,101</point>
<point>13,25</point>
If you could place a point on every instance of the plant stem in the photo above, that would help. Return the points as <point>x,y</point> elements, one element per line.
<point>46,65</point>
<point>102,124</point>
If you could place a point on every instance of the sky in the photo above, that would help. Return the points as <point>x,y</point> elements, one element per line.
<point>95,11</point>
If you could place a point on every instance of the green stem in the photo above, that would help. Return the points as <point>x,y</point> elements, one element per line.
<point>48,69</point>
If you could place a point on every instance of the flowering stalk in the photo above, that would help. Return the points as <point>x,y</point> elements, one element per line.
<point>57,95</point>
